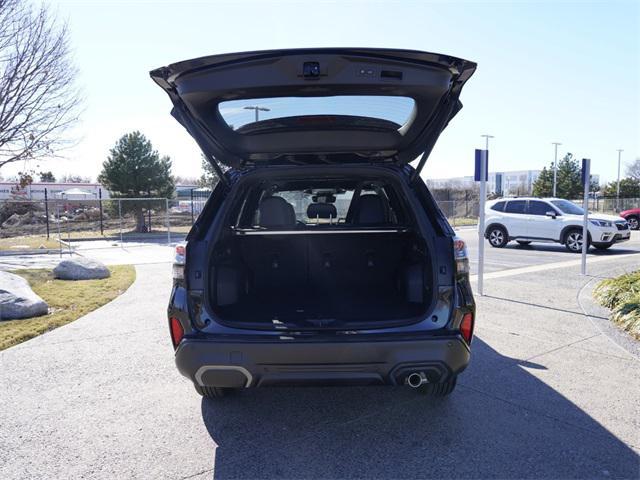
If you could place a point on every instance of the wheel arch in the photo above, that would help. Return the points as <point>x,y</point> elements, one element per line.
<point>632,215</point>
<point>565,231</point>
<point>493,225</point>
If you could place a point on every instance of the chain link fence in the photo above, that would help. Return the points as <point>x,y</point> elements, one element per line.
<point>61,223</point>
<point>460,212</point>
<point>611,205</point>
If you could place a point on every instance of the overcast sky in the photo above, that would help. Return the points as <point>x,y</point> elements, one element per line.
<point>547,71</point>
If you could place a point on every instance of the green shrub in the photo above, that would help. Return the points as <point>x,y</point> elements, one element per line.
<point>622,296</point>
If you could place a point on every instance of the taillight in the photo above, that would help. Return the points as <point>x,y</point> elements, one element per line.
<point>177,332</point>
<point>460,255</point>
<point>466,327</point>
<point>178,262</point>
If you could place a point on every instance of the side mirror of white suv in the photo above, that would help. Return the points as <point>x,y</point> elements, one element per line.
<point>551,214</point>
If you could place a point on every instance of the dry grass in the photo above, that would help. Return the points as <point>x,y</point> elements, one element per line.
<point>68,300</point>
<point>462,221</point>
<point>622,296</point>
<point>28,242</point>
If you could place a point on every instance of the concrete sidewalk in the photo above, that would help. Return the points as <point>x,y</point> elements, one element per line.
<point>547,395</point>
<point>107,252</point>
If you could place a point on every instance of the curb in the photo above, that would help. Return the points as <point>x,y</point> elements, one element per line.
<point>36,251</point>
<point>600,318</point>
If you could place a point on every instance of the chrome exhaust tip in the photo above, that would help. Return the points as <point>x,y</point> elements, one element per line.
<point>416,379</point>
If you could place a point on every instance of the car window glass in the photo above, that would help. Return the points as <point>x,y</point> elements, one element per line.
<point>499,206</point>
<point>515,206</point>
<point>568,207</point>
<point>238,113</point>
<point>539,208</point>
<point>339,198</point>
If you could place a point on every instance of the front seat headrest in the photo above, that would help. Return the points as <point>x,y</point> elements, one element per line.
<point>276,212</point>
<point>371,210</point>
<point>322,210</point>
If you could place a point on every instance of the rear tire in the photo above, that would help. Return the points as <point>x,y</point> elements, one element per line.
<point>524,243</point>
<point>573,241</point>
<point>497,236</point>
<point>634,222</point>
<point>212,392</point>
<point>438,389</point>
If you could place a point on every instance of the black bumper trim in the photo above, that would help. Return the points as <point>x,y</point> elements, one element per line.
<point>256,364</point>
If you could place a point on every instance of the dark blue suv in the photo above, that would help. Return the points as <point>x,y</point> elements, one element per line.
<point>320,258</point>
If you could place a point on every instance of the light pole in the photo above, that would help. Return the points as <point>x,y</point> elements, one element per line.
<point>618,185</point>
<point>555,167</point>
<point>487,137</point>
<point>483,195</point>
<point>257,109</point>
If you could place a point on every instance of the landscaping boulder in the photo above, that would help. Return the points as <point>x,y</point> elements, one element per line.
<point>80,268</point>
<point>17,300</point>
<point>12,221</point>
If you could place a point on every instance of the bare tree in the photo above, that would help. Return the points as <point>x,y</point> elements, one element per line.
<point>633,169</point>
<point>73,178</point>
<point>38,98</point>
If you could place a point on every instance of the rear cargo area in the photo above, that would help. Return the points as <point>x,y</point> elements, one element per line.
<point>320,277</point>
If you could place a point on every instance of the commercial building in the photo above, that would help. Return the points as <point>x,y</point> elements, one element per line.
<point>36,191</point>
<point>515,182</point>
<point>77,191</point>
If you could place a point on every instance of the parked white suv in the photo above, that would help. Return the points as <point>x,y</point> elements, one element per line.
<point>527,220</point>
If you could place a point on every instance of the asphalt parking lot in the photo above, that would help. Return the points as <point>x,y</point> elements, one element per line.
<point>515,256</point>
<point>549,394</point>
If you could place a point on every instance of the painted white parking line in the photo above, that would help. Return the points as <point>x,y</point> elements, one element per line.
<point>550,266</point>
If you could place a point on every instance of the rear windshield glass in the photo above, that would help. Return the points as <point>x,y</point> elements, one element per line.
<point>326,203</point>
<point>238,113</point>
<point>498,206</point>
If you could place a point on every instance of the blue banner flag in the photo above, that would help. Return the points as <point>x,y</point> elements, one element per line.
<point>482,155</point>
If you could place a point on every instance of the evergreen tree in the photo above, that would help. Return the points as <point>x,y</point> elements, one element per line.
<point>135,170</point>
<point>209,177</point>
<point>629,188</point>
<point>569,180</point>
<point>47,177</point>
<point>543,186</point>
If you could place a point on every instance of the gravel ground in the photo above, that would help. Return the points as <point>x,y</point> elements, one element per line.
<point>548,395</point>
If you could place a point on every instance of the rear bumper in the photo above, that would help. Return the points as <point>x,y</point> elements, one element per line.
<point>259,364</point>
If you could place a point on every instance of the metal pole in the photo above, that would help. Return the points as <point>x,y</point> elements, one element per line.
<point>618,185</point>
<point>483,196</point>
<point>483,169</point>
<point>120,217</point>
<point>46,209</point>
<point>192,207</point>
<point>586,172</point>
<point>58,226</point>
<point>69,236</point>
<point>168,226</point>
<point>100,203</point>
<point>555,167</point>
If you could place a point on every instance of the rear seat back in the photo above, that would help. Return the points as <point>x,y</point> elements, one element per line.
<point>371,209</point>
<point>321,210</point>
<point>276,212</point>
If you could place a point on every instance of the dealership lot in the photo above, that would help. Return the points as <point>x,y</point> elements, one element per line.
<point>515,256</point>
<point>547,395</point>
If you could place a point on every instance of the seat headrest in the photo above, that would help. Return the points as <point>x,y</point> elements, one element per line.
<point>371,210</point>
<point>322,210</point>
<point>276,212</point>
